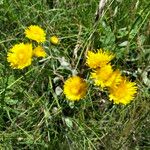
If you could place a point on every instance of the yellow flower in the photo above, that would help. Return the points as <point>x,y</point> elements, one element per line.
<point>106,77</point>
<point>124,92</point>
<point>114,79</point>
<point>101,75</point>
<point>54,40</point>
<point>99,59</point>
<point>20,56</point>
<point>39,52</point>
<point>75,88</point>
<point>35,33</point>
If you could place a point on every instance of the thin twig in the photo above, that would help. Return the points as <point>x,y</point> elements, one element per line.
<point>98,16</point>
<point>78,45</point>
<point>100,9</point>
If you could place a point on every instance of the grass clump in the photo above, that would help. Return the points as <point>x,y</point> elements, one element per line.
<point>35,114</point>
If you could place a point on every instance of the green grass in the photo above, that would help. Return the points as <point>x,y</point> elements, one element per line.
<point>32,116</point>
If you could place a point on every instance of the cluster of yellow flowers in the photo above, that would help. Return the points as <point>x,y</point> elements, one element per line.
<point>120,89</point>
<point>20,55</point>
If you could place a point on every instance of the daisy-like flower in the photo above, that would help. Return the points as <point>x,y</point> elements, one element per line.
<point>106,77</point>
<point>114,79</point>
<point>39,52</point>
<point>54,40</point>
<point>35,33</point>
<point>75,88</point>
<point>123,93</point>
<point>20,56</point>
<point>101,75</point>
<point>99,59</point>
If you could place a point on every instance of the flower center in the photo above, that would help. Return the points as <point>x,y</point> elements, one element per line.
<point>21,56</point>
<point>75,90</point>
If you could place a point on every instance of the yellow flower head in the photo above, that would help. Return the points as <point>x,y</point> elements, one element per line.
<point>101,75</point>
<point>20,56</point>
<point>75,88</point>
<point>114,79</point>
<point>106,77</point>
<point>39,52</point>
<point>35,33</point>
<point>124,92</point>
<point>99,59</point>
<point>54,40</point>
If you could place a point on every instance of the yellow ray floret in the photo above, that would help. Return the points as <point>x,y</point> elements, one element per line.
<point>54,40</point>
<point>35,33</point>
<point>20,56</point>
<point>99,59</point>
<point>39,52</point>
<point>106,77</point>
<point>123,93</point>
<point>75,88</point>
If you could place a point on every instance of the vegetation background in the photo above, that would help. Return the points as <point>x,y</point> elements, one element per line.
<point>33,113</point>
